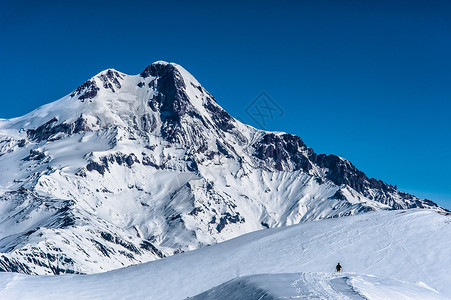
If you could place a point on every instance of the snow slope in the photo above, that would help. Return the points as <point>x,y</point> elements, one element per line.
<point>317,286</point>
<point>131,168</point>
<point>384,254</point>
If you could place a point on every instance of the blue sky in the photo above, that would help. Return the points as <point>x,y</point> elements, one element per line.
<point>367,81</point>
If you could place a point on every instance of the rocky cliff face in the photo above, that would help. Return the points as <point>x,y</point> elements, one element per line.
<point>128,169</point>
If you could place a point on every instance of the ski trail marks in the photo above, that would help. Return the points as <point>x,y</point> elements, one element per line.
<point>324,286</point>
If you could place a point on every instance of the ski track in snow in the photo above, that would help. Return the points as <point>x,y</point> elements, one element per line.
<point>284,286</point>
<point>321,286</point>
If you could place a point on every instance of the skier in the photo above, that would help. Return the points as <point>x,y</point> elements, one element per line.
<point>338,268</point>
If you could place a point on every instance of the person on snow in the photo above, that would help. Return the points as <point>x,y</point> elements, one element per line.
<point>338,268</point>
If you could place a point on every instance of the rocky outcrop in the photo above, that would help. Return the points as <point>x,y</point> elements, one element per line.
<point>170,98</point>
<point>86,91</point>
<point>228,218</point>
<point>49,130</point>
<point>119,158</point>
<point>283,152</point>
<point>110,78</point>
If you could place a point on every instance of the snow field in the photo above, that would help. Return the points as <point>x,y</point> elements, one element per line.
<point>405,252</point>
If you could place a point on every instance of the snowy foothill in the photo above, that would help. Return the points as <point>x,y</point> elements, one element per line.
<point>385,255</point>
<point>317,286</point>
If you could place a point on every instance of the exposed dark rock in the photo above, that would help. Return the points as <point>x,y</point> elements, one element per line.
<point>172,102</point>
<point>81,172</point>
<point>195,211</point>
<point>57,270</point>
<point>282,150</point>
<point>81,124</point>
<point>42,132</point>
<point>194,114</point>
<point>341,171</point>
<point>153,104</point>
<point>364,209</point>
<point>104,250</point>
<point>148,123</point>
<point>12,265</point>
<point>339,195</point>
<point>106,161</point>
<point>146,161</point>
<point>130,160</point>
<point>202,148</point>
<point>96,166</point>
<point>110,78</point>
<point>191,165</point>
<point>222,149</point>
<point>227,218</point>
<point>51,128</point>
<point>264,224</point>
<point>170,98</point>
<point>175,217</point>
<point>127,254</point>
<point>221,118</point>
<point>35,155</point>
<point>117,240</point>
<point>22,143</point>
<point>108,85</point>
<point>64,217</point>
<point>88,90</point>
<point>170,90</point>
<point>149,247</point>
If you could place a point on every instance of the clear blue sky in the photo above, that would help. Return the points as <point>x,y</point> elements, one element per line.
<point>366,80</point>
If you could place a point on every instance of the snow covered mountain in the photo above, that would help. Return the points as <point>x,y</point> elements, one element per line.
<point>385,255</point>
<point>128,169</point>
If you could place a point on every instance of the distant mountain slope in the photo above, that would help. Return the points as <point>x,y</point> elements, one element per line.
<point>128,169</point>
<point>385,253</point>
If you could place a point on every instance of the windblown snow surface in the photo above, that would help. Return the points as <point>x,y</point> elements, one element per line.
<point>385,255</point>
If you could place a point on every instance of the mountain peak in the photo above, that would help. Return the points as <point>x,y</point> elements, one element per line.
<point>161,62</point>
<point>161,68</point>
<point>158,68</point>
